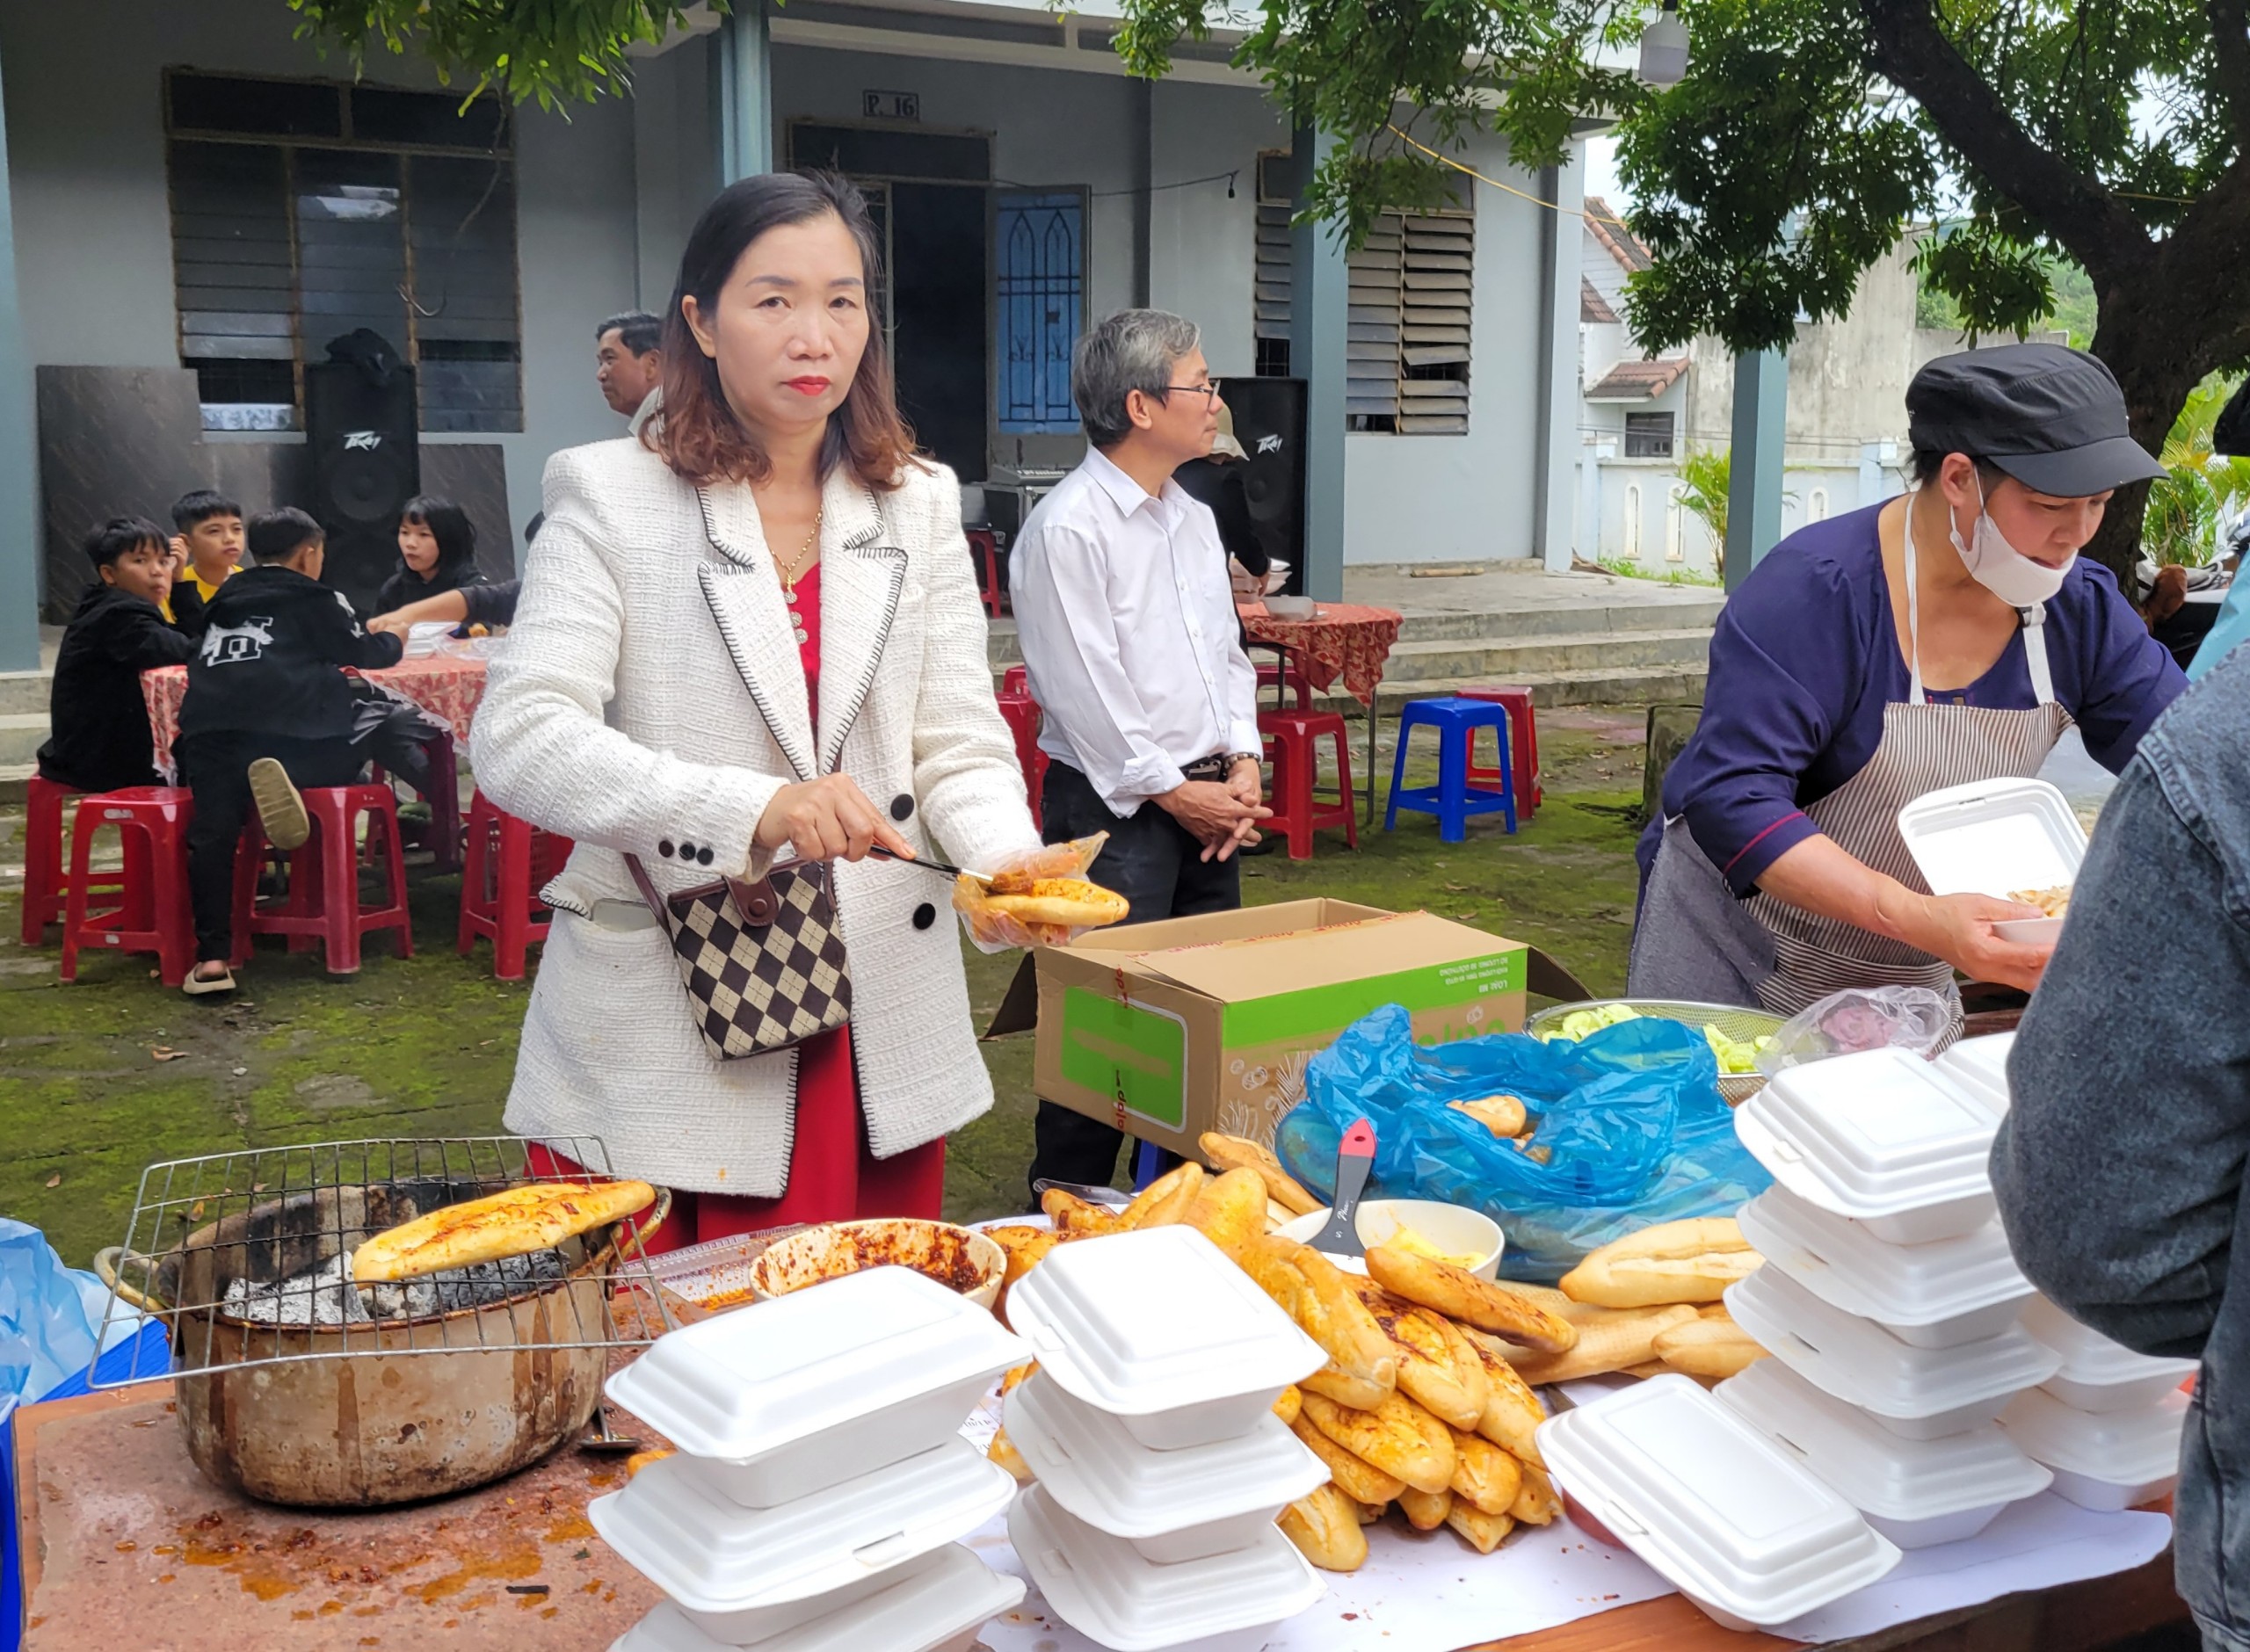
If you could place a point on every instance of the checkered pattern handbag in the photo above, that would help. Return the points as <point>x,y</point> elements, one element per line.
<point>763,963</point>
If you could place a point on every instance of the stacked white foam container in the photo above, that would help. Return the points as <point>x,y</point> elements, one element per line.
<point>1160,1465</point>
<point>2107,1424</point>
<point>821,1486</point>
<point>1889,1298</point>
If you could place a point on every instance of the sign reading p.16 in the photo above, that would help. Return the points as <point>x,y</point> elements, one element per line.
<point>891,106</point>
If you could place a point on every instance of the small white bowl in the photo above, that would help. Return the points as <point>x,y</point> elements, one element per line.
<point>835,1249</point>
<point>1291,607</point>
<point>2032,931</point>
<point>1455,1229</point>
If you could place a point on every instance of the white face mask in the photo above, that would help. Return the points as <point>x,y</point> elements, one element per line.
<point>1999,567</point>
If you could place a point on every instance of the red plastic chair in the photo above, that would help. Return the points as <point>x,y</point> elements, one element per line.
<point>1285,678</point>
<point>151,914</point>
<point>984,546</point>
<point>47,878</point>
<point>508,861</point>
<point>323,899</point>
<point>1292,747</point>
<point>1523,743</point>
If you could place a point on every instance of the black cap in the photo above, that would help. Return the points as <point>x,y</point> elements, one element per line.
<point>2052,418</point>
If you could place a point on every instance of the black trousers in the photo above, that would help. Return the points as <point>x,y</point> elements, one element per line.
<point>1156,864</point>
<point>215,766</point>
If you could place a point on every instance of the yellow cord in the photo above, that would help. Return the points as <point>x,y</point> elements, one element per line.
<point>1557,206</point>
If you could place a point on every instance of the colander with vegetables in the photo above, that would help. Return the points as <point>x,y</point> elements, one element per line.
<point>1736,1035</point>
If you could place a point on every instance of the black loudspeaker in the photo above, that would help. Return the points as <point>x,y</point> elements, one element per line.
<point>1269,423</point>
<point>366,460</point>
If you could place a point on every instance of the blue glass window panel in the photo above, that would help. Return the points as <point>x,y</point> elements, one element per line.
<point>1040,270</point>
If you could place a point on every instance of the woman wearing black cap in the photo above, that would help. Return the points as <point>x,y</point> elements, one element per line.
<point>1937,639</point>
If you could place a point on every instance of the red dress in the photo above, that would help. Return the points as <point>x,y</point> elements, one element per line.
<point>832,1176</point>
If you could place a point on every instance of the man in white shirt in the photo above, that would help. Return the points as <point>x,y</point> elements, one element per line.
<point>1129,634</point>
<point>629,366</point>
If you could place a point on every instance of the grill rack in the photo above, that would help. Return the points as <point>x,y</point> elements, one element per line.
<point>277,1215</point>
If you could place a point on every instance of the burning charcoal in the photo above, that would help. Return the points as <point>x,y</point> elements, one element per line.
<point>324,1297</point>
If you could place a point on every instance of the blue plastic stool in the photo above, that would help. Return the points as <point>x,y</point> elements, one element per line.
<point>1453,800</point>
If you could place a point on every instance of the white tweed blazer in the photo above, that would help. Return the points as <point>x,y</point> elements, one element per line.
<point>649,698</point>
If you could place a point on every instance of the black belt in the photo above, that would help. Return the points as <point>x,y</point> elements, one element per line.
<point>1211,768</point>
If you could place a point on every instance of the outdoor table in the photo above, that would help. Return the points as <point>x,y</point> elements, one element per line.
<point>1343,639</point>
<point>445,688</point>
<point>124,1542</point>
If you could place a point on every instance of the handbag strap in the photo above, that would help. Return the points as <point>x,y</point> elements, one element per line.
<point>756,902</point>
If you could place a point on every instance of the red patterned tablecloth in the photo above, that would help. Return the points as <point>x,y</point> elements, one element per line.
<point>443,687</point>
<point>1345,638</point>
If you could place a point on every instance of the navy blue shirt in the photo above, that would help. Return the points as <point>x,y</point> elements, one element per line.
<point>1806,657</point>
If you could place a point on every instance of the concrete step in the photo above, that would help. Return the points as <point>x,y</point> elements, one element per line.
<point>1629,685</point>
<point>1508,661</point>
<point>21,735</point>
<point>21,693</point>
<point>15,785</point>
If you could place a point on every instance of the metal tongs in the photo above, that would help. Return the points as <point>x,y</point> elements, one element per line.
<point>928,864</point>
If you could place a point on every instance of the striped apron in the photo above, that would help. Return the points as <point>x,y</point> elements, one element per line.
<point>1695,940</point>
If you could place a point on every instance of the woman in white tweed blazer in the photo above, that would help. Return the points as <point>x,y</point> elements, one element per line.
<point>755,627</point>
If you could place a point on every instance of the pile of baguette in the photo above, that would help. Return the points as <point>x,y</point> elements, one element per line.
<point>1426,1403</point>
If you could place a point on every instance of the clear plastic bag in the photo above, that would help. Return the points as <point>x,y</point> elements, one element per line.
<point>49,1315</point>
<point>1863,1018</point>
<point>1628,1129</point>
<point>996,931</point>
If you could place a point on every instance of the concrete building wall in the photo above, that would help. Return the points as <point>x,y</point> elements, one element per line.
<point>1472,497</point>
<point>1203,246</point>
<point>92,219</point>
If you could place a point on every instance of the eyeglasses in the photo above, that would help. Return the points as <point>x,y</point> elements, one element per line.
<point>1210,388</point>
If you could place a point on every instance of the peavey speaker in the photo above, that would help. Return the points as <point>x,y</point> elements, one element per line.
<point>1269,423</point>
<point>359,428</point>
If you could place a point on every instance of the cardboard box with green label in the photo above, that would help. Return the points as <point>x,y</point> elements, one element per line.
<point>1170,1029</point>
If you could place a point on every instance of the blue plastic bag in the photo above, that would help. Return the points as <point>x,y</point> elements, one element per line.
<point>1633,1127</point>
<point>48,1321</point>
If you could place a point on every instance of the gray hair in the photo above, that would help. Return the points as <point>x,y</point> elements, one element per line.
<point>1133,350</point>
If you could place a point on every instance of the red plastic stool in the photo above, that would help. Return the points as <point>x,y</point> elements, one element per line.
<point>323,899</point>
<point>1523,738</point>
<point>984,546</point>
<point>1285,678</point>
<point>1016,680</point>
<point>1021,713</point>
<point>152,913</point>
<point>1291,747</point>
<point>46,877</point>
<point>442,836</point>
<point>508,861</point>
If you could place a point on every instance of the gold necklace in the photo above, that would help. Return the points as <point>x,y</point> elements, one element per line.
<point>789,577</point>
<point>789,574</point>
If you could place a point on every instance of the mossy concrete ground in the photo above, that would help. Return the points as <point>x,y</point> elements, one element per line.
<point>103,1077</point>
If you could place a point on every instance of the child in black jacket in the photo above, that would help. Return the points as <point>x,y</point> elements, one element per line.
<point>100,740</point>
<point>437,552</point>
<point>268,710</point>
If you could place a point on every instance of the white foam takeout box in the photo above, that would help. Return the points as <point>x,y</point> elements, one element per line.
<point>742,1573</point>
<point>1922,1392</point>
<point>1980,1065</point>
<point>1916,1492</point>
<point>938,1603</point>
<point>1716,1509</point>
<point>2099,1374</point>
<point>1158,1328</point>
<point>1995,837</point>
<point>1115,1595</point>
<point>2104,1460</point>
<point>793,1395</point>
<point>1933,1296</point>
<point>1881,1136</point>
<point>1171,1505</point>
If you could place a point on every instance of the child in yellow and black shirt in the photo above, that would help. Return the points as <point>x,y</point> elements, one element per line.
<point>207,538</point>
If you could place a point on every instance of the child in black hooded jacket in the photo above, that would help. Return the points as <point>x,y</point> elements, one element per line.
<point>268,710</point>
